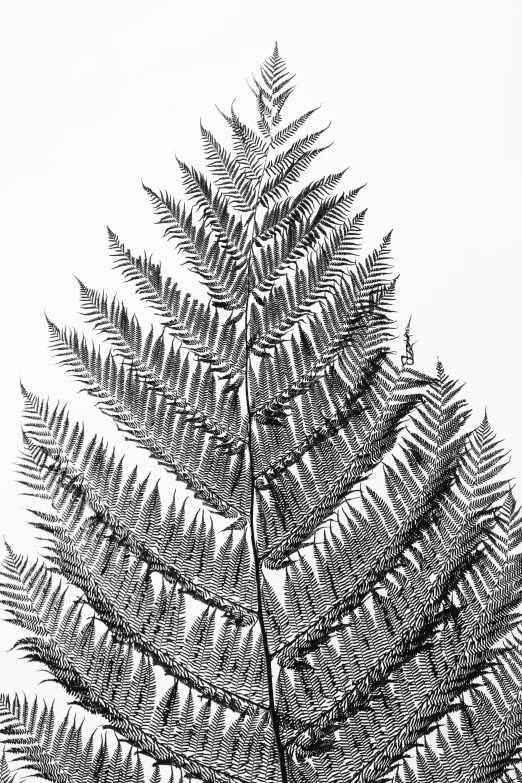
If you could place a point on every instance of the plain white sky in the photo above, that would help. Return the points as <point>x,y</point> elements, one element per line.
<point>424,99</point>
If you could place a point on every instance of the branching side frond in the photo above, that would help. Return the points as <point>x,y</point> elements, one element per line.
<point>364,446</point>
<point>206,257</point>
<point>229,231</point>
<point>357,557</point>
<point>184,317</point>
<point>58,752</point>
<point>231,180</point>
<point>164,370</point>
<point>122,595</point>
<point>62,470</point>
<point>147,419</point>
<point>288,248</point>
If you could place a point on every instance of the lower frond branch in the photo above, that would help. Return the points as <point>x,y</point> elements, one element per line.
<point>77,482</point>
<point>379,439</point>
<point>145,740</point>
<point>75,570</point>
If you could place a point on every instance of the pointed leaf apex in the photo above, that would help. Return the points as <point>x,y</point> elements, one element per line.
<point>509,501</point>
<point>52,326</point>
<point>82,285</point>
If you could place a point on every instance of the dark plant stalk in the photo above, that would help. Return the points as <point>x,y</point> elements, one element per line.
<point>251,518</point>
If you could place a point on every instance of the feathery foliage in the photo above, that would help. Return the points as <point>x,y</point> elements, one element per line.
<point>343,607</point>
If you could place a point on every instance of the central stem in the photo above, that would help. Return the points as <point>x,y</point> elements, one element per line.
<point>253,540</point>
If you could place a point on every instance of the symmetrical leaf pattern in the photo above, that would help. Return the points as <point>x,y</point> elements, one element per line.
<point>342,606</point>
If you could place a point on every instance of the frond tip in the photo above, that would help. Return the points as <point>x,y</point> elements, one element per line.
<point>6,776</point>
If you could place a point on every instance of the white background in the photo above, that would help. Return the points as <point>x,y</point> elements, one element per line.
<point>424,99</point>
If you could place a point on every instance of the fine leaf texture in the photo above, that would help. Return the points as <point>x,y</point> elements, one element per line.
<point>342,605</point>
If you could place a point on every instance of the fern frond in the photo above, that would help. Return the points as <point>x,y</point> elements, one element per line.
<point>25,591</point>
<point>276,77</point>
<point>149,421</point>
<point>223,279</point>
<point>287,167</point>
<point>461,557</point>
<point>161,369</point>
<point>6,776</point>
<point>436,701</point>
<point>318,435</point>
<point>230,178</point>
<point>297,240</point>
<point>391,647</point>
<point>80,665</point>
<point>391,404</point>
<point>283,215</point>
<point>323,413</point>
<point>57,753</point>
<point>71,479</point>
<point>186,319</point>
<point>229,231</point>
<point>287,306</point>
<point>115,588</point>
<point>473,752</point>
<point>99,674</point>
<point>121,593</point>
<point>250,149</point>
<point>489,597</point>
<point>285,134</point>
<point>360,557</point>
<point>356,317</point>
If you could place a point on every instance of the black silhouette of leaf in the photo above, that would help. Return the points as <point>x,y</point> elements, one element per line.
<point>346,605</point>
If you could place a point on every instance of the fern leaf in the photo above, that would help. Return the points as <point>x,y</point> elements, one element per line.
<point>285,134</point>
<point>299,240</point>
<point>285,308</point>
<point>70,489</point>
<point>114,587</point>
<point>390,647</point>
<point>230,179</point>
<point>215,212</point>
<point>391,409</point>
<point>206,258</point>
<point>182,318</point>
<point>315,424</point>
<point>287,167</point>
<point>250,149</point>
<point>392,532</point>
<point>56,754</point>
<point>283,215</point>
<point>144,418</point>
<point>6,776</point>
<point>161,369</point>
<point>347,326</point>
<point>81,665</point>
